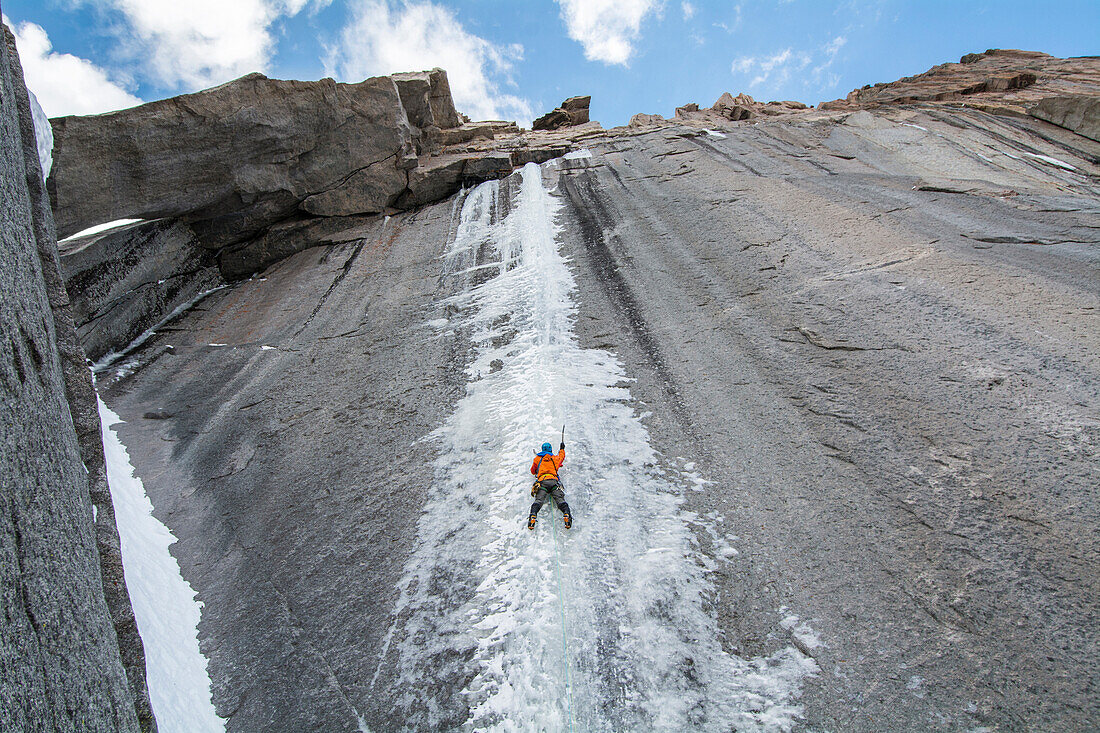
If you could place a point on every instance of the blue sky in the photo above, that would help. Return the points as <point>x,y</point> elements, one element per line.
<point>516,60</point>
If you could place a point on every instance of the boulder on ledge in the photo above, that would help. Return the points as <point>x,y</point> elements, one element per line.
<point>572,112</point>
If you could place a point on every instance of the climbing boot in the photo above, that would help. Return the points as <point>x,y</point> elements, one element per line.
<point>567,519</point>
<point>531,521</point>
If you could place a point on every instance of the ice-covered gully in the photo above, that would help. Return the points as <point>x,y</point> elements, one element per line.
<point>610,626</point>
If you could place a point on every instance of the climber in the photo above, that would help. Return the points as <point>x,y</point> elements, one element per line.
<point>545,467</point>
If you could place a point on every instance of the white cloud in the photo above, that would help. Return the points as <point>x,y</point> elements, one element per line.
<point>831,50</point>
<point>192,44</point>
<point>776,68</point>
<point>65,84</point>
<point>834,46</point>
<point>606,29</point>
<point>688,9</point>
<point>383,39</point>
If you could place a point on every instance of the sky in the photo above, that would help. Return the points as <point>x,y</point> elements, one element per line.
<point>517,59</point>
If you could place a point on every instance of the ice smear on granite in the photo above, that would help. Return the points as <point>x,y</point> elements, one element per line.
<point>43,135</point>
<point>112,357</point>
<point>608,626</point>
<point>164,603</point>
<point>100,228</point>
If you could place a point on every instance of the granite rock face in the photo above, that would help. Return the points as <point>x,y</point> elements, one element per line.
<point>66,660</point>
<point>234,159</point>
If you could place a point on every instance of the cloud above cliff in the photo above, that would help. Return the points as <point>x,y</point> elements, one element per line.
<point>608,29</point>
<point>383,37</point>
<point>65,84</point>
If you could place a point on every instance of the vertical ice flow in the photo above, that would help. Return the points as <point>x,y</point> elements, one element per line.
<point>608,626</point>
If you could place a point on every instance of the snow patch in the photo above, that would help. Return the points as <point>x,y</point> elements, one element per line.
<point>802,631</point>
<point>43,135</point>
<point>1052,161</point>
<point>910,124</point>
<point>99,228</point>
<point>715,133</point>
<point>578,154</point>
<point>164,604</point>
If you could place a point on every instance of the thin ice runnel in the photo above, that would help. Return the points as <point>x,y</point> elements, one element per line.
<point>480,591</point>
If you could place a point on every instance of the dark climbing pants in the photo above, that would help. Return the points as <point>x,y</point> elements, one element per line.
<point>550,488</point>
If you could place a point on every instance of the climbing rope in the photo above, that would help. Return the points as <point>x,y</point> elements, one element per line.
<point>561,608</point>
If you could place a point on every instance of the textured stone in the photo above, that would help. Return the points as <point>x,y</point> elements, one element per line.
<point>1001,76</point>
<point>486,167</point>
<point>1078,113</point>
<point>137,274</point>
<point>236,158</point>
<point>288,238</point>
<point>426,96</point>
<point>642,119</point>
<point>62,665</point>
<point>572,112</point>
<point>434,179</point>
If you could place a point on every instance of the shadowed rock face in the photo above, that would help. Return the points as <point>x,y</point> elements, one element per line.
<point>65,659</point>
<point>235,159</point>
<point>874,330</point>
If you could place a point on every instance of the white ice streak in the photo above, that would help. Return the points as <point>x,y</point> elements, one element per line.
<point>111,357</point>
<point>582,154</point>
<point>98,228</point>
<point>43,135</point>
<point>1053,161</point>
<point>626,639</point>
<point>164,604</point>
<point>715,134</point>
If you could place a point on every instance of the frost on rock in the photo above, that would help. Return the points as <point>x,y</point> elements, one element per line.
<point>611,625</point>
<point>43,133</point>
<point>164,604</point>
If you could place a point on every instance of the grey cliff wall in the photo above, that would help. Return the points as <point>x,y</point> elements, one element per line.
<point>873,329</point>
<point>66,608</point>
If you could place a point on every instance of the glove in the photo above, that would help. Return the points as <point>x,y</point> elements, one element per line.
<point>563,445</point>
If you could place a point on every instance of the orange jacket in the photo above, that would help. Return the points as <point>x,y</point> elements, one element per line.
<point>546,465</point>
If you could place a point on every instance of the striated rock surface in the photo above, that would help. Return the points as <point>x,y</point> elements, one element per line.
<point>67,635</point>
<point>126,280</point>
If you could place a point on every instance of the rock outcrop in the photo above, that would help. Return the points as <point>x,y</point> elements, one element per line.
<point>736,109</point>
<point>68,638</point>
<point>1074,112</point>
<point>572,112</point>
<point>1003,81</point>
<point>235,159</point>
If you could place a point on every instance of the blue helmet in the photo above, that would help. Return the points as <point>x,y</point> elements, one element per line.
<point>547,448</point>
